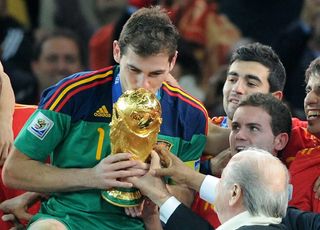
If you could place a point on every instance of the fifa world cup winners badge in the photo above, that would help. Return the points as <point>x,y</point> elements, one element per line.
<point>135,124</point>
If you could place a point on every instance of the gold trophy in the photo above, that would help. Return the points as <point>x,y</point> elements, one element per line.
<point>135,124</point>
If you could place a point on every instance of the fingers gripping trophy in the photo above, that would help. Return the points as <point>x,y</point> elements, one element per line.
<point>135,124</point>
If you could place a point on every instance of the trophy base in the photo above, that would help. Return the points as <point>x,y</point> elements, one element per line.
<point>123,197</point>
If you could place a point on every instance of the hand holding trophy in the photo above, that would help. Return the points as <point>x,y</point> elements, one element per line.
<point>135,124</point>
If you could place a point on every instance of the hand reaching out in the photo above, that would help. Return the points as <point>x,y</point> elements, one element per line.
<point>150,185</point>
<point>148,212</point>
<point>177,170</point>
<point>16,209</point>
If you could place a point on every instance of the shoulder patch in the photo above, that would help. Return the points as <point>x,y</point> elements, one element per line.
<point>40,126</point>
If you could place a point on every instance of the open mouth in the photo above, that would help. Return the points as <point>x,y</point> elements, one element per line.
<point>240,148</point>
<point>234,100</point>
<point>313,115</point>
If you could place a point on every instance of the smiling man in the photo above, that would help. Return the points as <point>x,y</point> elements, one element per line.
<point>56,56</point>
<point>304,168</point>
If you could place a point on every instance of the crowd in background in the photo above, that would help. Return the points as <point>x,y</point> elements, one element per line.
<point>210,30</point>
<point>42,42</point>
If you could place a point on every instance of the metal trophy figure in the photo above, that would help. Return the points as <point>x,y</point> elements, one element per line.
<point>135,124</point>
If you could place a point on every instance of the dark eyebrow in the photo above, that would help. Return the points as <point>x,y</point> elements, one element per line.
<point>234,123</point>
<point>309,87</point>
<point>253,124</point>
<point>233,73</point>
<point>132,66</point>
<point>160,71</point>
<point>253,77</point>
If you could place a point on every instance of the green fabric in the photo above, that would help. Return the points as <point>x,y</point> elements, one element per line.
<point>76,148</point>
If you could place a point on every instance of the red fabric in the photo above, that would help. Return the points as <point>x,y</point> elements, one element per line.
<point>21,114</point>
<point>300,139</point>
<point>304,171</point>
<point>206,211</point>
<point>100,47</point>
<point>201,207</point>
<point>140,3</point>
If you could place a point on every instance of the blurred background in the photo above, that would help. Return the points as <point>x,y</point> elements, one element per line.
<point>42,41</point>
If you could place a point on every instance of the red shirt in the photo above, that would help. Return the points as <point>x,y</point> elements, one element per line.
<point>20,116</point>
<point>305,170</point>
<point>300,139</point>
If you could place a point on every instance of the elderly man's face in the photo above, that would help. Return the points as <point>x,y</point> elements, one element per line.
<point>221,202</point>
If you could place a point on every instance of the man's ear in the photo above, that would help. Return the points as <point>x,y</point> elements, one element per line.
<point>280,141</point>
<point>235,194</point>
<point>173,61</point>
<point>116,51</point>
<point>278,94</point>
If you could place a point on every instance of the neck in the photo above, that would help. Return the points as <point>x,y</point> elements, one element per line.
<point>232,213</point>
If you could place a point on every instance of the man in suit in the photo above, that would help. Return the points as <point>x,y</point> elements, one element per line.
<point>242,201</point>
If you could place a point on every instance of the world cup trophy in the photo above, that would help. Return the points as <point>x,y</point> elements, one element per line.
<point>135,124</point>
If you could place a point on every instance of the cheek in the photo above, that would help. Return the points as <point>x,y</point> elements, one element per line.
<point>226,89</point>
<point>231,139</point>
<point>157,82</point>
<point>75,67</point>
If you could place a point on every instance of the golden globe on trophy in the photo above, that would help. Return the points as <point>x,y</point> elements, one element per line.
<point>135,124</point>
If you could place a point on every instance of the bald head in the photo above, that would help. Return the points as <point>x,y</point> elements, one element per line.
<point>268,168</point>
<point>263,181</point>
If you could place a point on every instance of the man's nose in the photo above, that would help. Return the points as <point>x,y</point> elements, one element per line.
<point>143,82</point>
<point>62,65</point>
<point>311,98</point>
<point>239,87</point>
<point>240,135</point>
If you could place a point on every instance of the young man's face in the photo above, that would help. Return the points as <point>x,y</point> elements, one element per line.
<point>251,127</point>
<point>244,78</point>
<point>312,105</point>
<point>142,72</point>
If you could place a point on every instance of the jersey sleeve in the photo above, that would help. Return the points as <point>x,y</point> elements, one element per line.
<point>192,147</point>
<point>41,134</point>
<point>46,128</point>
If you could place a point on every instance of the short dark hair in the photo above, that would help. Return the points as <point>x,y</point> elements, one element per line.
<point>266,56</point>
<point>278,111</point>
<point>64,33</point>
<point>313,69</point>
<point>149,31</point>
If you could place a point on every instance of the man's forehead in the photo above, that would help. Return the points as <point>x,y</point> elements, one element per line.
<point>248,113</point>
<point>250,68</point>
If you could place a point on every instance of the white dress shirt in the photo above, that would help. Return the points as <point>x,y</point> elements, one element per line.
<point>207,193</point>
